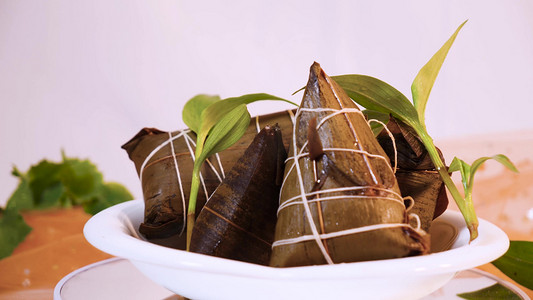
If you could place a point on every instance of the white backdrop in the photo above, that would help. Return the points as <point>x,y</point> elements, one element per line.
<point>85,76</point>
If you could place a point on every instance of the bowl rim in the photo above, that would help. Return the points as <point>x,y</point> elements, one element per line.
<point>109,232</point>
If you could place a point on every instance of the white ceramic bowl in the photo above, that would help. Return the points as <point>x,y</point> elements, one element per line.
<point>200,276</point>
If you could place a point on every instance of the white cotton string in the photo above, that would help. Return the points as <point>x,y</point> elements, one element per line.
<point>393,142</point>
<point>305,238</point>
<point>418,223</point>
<point>302,198</point>
<point>340,197</point>
<point>220,166</point>
<point>411,203</point>
<point>294,200</point>
<point>365,153</point>
<point>341,111</point>
<point>293,118</point>
<point>347,189</point>
<point>170,141</point>
<point>179,180</point>
<point>305,154</point>
<point>365,158</point>
<point>316,235</point>
<point>156,149</point>
<point>287,171</point>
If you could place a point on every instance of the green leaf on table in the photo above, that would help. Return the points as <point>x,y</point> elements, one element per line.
<point>493,292</point>
<point>517,263</point>
<point>22,197</point>
<point>81,179</point>
<point>374,94</point>
<point>48,185</point>
<point>192,111</point>
<point>424,80</point>
<point>110,193</point>
<point>13,230</point>
<point>52,197</point>
<point>41,177</point>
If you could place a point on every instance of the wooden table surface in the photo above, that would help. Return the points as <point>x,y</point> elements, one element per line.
<point>56,245</point>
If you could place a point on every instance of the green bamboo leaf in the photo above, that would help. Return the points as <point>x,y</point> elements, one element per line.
<point>504,160</point>
<point>478,162</point>
<point>463,168</point>
<point>217,110</point>
<point>225,132</point>
<point>455,165</point>
<point>192,111</point>
<point>374,94</point>
<point>228,130</point>
<point>214,112</point>
<point>517,263</point>
<point>493,292</point>
<point>424,80</point>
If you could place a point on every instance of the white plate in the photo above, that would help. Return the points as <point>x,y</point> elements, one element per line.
<point>113,278</point>
<point>204,277</point>
<point>117,278</point>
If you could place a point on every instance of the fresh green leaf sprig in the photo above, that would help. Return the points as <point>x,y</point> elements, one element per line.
<point>49,185</point>
<point>379,96</point>
<point>468,171</point>
<point>218,124</point>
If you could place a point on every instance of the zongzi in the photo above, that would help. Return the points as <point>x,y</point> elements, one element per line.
<point>339,201</point>
<point>164,161</point>
<point>239,219</point>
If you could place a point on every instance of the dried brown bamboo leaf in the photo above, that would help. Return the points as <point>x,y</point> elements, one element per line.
<point>238,220</point>
<point>416,173</point>
<point>425,188</point>
<point>345,206</point>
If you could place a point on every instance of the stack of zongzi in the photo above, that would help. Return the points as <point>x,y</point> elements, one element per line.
<point>164,161</point>
<point>339,201</point>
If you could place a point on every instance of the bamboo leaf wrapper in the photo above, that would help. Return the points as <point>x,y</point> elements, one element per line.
<point>416,174</point>
<point>239,219</point>
<point>345,205</point>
